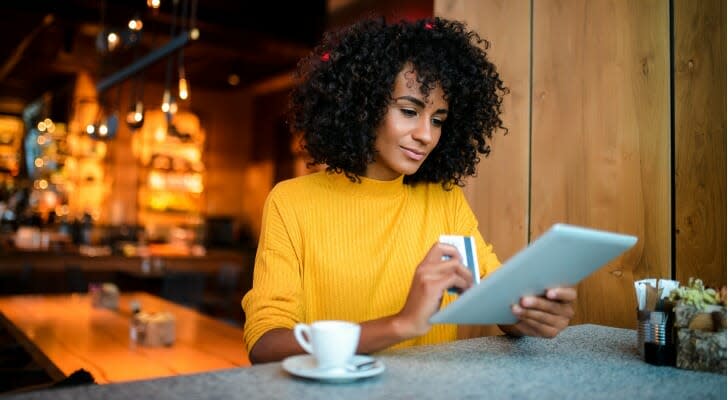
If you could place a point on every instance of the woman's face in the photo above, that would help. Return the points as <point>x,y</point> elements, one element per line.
<point>409,130</point>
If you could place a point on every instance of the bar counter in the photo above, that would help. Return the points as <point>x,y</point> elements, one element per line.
<point>57,261</point>
<point>64,272</point>
<point>585,361</point>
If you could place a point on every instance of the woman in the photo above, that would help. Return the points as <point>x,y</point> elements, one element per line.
<point>399,114</point>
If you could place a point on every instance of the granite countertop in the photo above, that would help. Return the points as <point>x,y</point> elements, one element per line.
<point>585,361</point>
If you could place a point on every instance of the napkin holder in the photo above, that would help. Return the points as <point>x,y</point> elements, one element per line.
<point>153,329</point>
<point>105,295</point>
<point>701,337</point>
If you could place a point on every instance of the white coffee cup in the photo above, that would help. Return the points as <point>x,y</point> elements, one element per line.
<point>332,343</point>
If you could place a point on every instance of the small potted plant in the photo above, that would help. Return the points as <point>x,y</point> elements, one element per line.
<point>700,327</point>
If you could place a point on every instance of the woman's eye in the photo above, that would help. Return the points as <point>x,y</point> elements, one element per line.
<point>437,122</point>
<point>408,112</point>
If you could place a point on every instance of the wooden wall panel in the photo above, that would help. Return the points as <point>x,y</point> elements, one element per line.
<point>499,194</point>
<point>700,140</point>
<point>600,137</point>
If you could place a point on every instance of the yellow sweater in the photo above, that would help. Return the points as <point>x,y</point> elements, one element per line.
<point>333,249</point>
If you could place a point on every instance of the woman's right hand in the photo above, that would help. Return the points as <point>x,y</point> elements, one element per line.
<point>441,269</point>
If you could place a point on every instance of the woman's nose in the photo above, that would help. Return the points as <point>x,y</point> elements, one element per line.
<point>423,133</point>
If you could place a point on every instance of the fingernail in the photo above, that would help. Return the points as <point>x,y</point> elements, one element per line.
<point>516,309</point>
<point>528,302</point>
<point>551,294</point>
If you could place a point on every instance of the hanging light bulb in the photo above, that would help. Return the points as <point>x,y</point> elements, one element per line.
<point>135,116</point>
<point>166,100</point>
<point>113,40</point>
<point>135,24</point>
<point>184,92</point>
<point>107,126</point>
<point>183,88</point>
<point>153,3</point>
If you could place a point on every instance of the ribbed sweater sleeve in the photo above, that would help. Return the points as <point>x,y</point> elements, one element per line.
<point>277,300</point>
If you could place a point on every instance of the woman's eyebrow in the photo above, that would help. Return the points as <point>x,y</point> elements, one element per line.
<point>420,103</point>
<point>412,99</point>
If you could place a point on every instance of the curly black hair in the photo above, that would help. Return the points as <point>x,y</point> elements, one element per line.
<point>347,83</point>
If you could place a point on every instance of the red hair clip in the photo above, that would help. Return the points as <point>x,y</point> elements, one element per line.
<point>428,25</point>
<point>325,57</point>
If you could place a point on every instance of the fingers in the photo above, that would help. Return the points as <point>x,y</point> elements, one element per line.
<point>562,294</point>
<point>534,328</point>
<point>540,305</point>
<point>560,317</point>
<point>458,269</point>
<point>545,316</point>
<point>442,261</point>
<point>446,274</point>
<point>457,283</point>
<point>440,250</point>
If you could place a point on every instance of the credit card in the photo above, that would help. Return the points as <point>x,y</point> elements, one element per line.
<point>466,248</point>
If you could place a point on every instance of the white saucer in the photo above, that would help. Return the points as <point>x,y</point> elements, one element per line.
<point>304,366</point>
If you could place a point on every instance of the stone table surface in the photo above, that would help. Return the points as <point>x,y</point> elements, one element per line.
<point>585,361</point>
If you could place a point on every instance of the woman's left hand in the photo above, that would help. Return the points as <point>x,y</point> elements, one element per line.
<point>543,316</point>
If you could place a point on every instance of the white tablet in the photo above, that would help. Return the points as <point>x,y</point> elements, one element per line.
<point>562,256</point>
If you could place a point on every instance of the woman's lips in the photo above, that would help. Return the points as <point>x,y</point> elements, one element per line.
<point>415,155</point>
